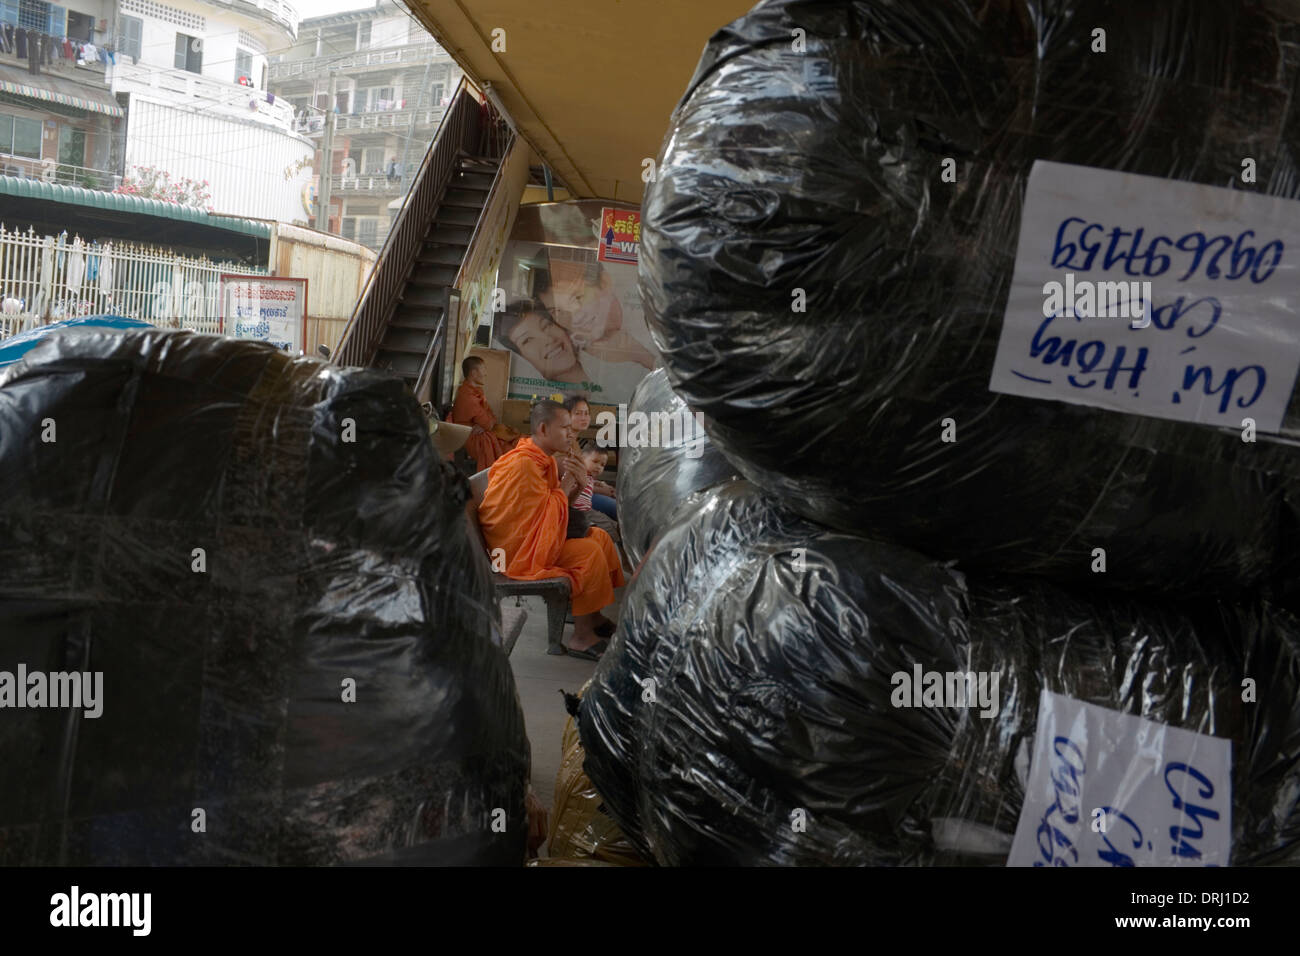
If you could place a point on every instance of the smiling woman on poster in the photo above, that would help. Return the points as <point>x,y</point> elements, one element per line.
<point>527,328</point>
<point>582,297</point>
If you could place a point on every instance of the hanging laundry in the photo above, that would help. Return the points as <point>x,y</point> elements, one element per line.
<point>76,268</point>
<point>106,272</point>
<point>63,243</point>
<point>46,284</point>
<point>92,264</point>
<point>22,43</point>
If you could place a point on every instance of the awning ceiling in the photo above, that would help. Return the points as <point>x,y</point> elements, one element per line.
<point>54,89</point>
<point>591,85</point>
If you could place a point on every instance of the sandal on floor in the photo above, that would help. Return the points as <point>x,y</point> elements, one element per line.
<point>593,653</point>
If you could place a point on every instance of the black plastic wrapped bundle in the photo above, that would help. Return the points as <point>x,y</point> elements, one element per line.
<point>334,549</point>
<point>656,478</point>
<point>741,688</point>
<point>819,172</point>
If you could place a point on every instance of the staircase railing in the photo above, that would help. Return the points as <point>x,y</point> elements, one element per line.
<point>459,131</point>
<point>430,364</point>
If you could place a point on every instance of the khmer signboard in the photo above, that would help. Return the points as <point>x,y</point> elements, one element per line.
<point>266,309</point>
<point>620,236</point>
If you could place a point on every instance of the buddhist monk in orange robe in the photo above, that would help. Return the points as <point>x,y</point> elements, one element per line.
<point>471,408</point>
<point>525,512</point>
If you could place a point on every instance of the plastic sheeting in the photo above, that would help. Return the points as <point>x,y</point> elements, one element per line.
<point>230,536</point>
<point>816,172</point>
<point>15,347</point>
<point>580,826</point>
<point>752,676</point>
<point>656,478</point>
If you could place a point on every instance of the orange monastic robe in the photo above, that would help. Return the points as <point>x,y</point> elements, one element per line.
<point>525,513</point>
<point>471,408</point>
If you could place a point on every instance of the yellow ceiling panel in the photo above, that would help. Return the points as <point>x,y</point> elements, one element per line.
<point>590,83</point>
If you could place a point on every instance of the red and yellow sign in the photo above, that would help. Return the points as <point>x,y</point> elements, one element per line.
<point>620,235</point>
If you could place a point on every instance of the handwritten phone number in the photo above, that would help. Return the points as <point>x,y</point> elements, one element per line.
<point>1246,261</point>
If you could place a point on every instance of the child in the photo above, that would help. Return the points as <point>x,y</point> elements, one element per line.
<point>595,459</point>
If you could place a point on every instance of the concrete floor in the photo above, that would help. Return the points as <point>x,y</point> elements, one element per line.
<point>540,678</point>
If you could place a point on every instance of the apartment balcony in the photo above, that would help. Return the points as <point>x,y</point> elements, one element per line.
<point>277,11</point>
<point>414,54</point>
<point>185,89</point>
<point>354,124</point>
<point>61,174</point>
<point>376,184</point>
<point>92,72</point>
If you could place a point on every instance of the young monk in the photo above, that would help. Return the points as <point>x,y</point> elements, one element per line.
<point>525,512</point>
<point>489,440</point>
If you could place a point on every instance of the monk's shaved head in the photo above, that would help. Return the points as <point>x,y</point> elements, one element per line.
<point>543,413</point>
<point>549,423</point>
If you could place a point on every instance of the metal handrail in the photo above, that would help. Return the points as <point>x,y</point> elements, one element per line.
<point>435,349</point>
<point>66,174</point>
<point>487,204</point>
<point>378,299</point>
<point>439,338</point>
<point>360,59</point>
<point>366,183</point>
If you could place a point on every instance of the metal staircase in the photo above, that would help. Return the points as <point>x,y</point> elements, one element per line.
<point>401,321</point>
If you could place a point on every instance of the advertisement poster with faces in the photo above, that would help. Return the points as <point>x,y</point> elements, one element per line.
<point>573,324</point>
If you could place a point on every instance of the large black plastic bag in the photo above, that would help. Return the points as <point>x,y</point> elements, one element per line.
<point>820,170</point>
<point>326,559</point>
<point>655,479</point>
<point>740,688</point>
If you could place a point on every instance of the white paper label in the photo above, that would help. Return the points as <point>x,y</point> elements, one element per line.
<point>1109,789</point>
<point>1153,297</point>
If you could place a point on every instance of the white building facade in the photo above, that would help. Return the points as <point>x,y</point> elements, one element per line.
<point>192,76</point>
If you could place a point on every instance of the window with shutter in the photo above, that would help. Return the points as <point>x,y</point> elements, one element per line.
<point>189,53</point>
<point>129,32</point>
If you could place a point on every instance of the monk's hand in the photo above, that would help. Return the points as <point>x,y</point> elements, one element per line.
<point>569,484</point>
<point>571,462</point>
